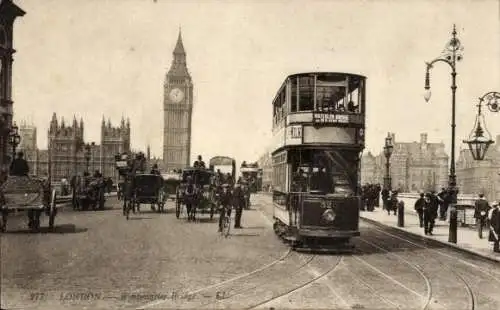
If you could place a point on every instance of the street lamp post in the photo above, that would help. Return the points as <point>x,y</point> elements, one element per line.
<point>388,147</point>
<point>450,56</point>
<point>478,143</point>
<point>15,139</point>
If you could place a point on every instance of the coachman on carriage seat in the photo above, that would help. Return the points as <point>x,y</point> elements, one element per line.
<point>199,163</point>
<point>19,166</point>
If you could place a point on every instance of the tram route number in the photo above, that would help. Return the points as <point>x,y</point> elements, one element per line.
<point>295,132</point>
<point>331,118</point>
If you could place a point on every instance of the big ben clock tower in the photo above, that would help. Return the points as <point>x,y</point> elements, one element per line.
<point>178,109</point>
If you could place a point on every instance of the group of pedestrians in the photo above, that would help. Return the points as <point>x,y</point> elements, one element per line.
<point>487,215</point>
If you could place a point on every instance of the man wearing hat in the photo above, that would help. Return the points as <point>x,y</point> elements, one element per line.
<point>392,204</point>
<point>238,203</point>
<point>430,213</point>
<point>419,207</point>
<point>494,223</point>
<point>480,213</point>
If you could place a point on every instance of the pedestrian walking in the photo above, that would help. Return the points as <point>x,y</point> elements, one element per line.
<point>494,225</point>
<point>392,205</point>
<point>480,214</point>
<point>419,207</point>
<point>430,213</point>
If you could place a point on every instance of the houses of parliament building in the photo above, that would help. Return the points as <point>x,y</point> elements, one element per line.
<point>66,148</point>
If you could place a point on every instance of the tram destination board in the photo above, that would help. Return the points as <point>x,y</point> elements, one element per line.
<point>328,118</point>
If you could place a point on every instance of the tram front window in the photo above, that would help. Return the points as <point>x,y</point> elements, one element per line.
<point>317,172</point>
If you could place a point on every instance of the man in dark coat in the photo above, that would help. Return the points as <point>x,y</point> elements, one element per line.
<point>480,214</point>
<point>494,221</point>
<point>19,166</point>
<point>419,207</point>
<point>392,204</point>
<point>443,203</point>
<point>199,163</point>
<point>385,198</point>
<point>238,203</point>
<point>430,212</point>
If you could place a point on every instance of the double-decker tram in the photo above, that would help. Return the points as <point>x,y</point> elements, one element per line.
<point>252,174</point>
<point>225,165</point>
<point>318,139</point>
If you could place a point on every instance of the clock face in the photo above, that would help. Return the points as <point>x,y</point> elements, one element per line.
<point>176,95</point>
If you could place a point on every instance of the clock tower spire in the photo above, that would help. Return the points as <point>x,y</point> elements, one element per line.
<point>178,108</point>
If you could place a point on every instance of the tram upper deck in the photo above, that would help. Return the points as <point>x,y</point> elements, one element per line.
<point>312,108</point>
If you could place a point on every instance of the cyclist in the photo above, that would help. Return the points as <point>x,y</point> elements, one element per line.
<point>225,200</point>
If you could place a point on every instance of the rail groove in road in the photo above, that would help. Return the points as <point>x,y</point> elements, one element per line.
<point>477,292</point>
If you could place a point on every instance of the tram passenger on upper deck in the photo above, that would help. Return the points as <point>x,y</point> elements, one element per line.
<point>19,166</point>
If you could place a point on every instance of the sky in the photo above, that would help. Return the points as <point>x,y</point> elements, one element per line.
<point>91,58</point>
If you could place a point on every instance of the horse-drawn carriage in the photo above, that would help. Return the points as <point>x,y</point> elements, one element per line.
<point>89,193</point>
<point>146,189</point>
<point>31,194</point>
<point>196,193</point>
<point>171,182</point>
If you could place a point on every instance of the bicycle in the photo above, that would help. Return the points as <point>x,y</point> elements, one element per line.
<point>226,221</point>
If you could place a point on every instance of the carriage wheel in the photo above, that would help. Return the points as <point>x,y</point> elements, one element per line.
<point>52,210</point>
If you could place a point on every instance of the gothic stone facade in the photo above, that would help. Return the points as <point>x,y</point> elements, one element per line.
<point>66,149</point>
<point>414,166</point>
<point>475,177</point>
<point>178,108</point>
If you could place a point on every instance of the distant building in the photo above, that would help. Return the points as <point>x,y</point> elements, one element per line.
<point>265,163</point>
<point>480,176</point>
<point>414,166</point>
<point>65,155</point>
<point>370,169</point>
<point>29,146</point>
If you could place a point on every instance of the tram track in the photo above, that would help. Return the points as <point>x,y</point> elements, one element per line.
<point>441,270</point>
<point>318,277</point>
<point>241,276</point>
<point>428,297</point>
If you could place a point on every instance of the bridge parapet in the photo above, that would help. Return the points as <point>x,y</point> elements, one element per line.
<point>465,206</point>
<point>463,200</point>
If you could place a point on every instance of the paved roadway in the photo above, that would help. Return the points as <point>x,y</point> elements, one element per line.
<point>100,260</point>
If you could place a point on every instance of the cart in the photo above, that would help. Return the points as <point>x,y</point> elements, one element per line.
<point>28,194</point>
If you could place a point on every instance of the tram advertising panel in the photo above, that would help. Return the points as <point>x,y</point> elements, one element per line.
<point>342,135</point>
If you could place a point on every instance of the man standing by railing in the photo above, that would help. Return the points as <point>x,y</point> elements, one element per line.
<point>385,198</point>
<point>494,221</point>
<point>480,214</point>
